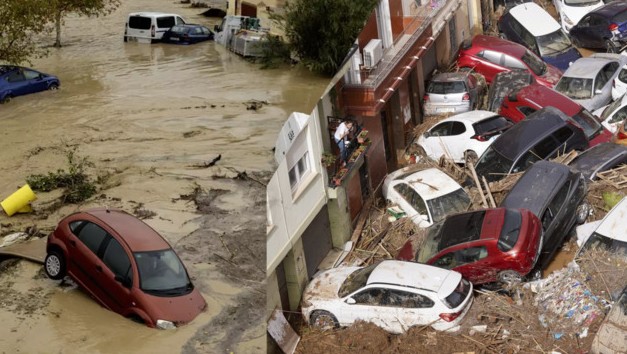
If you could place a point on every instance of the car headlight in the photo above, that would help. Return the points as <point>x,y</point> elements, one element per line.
<point>163,324</point>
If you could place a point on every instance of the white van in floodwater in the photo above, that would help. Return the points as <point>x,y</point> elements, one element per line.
<point>148,27</point>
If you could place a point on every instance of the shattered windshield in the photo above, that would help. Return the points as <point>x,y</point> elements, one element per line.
<point>161,273</point>
<point>430,245</point>
<point>603,243</point>
<point>575,87</point>
<point>492,165</point>
<point>454,202</point>
<point>553,43</point>
<point>534,63</point>
<point>356,280</point>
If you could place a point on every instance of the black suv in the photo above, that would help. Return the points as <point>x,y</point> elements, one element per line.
<point>555,194</point>
<point>542,135</point>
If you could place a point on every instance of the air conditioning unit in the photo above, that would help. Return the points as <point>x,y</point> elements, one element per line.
<point>373,52</point>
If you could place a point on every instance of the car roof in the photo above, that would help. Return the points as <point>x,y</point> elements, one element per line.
<point>529,130</point>
<point>152,14</point>
<point>613,224</point>
<point>596,157</point>
<point>458,76</point>
<point>611,9</point>
<point>499,45</point>
<point>431,183</point>
<point>536,186</point>
<point>412,274</point>
<point>138,235</point>
<point>531,13</point>
<point>586,67</point>
<point>544,96</point>
<point>470,116</point>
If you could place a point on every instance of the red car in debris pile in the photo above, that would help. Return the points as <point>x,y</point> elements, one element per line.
<point>125,265</point>
<point>526,100</point>
<point>489,56</point>
<point>485,246</point>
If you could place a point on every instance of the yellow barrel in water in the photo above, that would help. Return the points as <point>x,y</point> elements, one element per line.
<point>18,201</point>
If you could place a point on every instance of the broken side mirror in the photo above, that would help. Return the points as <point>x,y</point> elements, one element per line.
<point>351,301</point>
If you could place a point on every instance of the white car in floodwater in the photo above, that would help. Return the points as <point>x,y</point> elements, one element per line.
<point>426,196</point>
<point>394,295</point>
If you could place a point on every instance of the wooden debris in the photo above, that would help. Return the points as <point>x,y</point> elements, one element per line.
<point>616,177</point>
<point>488,192</point>
<point>478,184</point>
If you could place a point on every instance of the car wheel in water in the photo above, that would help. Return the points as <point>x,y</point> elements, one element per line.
<point>509,277</point>
<point>6,99</point>
<point>54,265</point>
<point>53,86</point>
<point>323,320</point>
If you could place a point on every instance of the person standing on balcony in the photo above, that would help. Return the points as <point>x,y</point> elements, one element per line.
<point>341,137</point>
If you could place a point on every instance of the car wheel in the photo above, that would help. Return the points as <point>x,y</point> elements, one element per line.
<point>582,213</point>
<point>610,47</point>
<point>509,277</point>
<point>53,86</point>
<point>54,265</point>
<point>6,99</point>
<point>470,156</point>
<point>323,320</point>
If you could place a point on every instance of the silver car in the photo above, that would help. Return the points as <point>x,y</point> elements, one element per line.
<point>451,93</point>
<point>588,81</point>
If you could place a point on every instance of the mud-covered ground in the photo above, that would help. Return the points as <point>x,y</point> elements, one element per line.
<point>150,119</point>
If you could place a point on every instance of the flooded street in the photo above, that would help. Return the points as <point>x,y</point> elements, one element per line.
<point>149,117</point>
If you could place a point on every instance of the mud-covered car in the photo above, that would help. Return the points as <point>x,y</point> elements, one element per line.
<point>425,196</point>
<point>485,246</point>
<point>555,194</point>
<point>394,295</point>
<point>599,158</point>
<point>125,265</point>
<point>505,83</point>
<point>542,135</point>
<point>610,337</point>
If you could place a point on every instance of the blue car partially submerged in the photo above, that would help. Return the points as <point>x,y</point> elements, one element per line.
<point>187,34</point>
<point>18,81</point>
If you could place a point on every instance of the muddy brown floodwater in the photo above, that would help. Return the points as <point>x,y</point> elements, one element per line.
<point>146,116</point>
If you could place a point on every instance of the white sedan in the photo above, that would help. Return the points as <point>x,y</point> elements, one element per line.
<point>613,114</point>
<point>425,196</point>
<point>464,136</point>
<point>619,87</point>
<point>571,11</point>
<point>394,295</point>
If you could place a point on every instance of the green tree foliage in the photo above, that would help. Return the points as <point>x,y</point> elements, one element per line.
<point>19,21</point>
<point>90,8</point>
<point>321,32</point>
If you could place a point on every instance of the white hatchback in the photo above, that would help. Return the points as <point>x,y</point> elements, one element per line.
<point>463,137</point>
<point>571,11</point>
<point>426,196</point>
<point>394,295</point>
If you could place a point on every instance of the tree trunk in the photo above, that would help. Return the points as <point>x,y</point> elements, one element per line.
<point>57,23</point>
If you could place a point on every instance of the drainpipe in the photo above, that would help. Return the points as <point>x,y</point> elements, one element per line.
<point>404,73</point>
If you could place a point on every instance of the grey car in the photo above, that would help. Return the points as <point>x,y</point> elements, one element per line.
<point>588,81</point>
<point>452,93</point>
<point>599,158</point>
<point>556,195</point>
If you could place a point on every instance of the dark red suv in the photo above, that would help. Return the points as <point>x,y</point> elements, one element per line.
<point>484,245</point>
<point>526,100</point>
<point>489,56</point>
<point>125,265</point>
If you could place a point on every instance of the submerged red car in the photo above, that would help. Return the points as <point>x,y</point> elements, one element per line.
<point>485,246</point>
<point>526,100</point>
<point>125,265</point>
<point>490,55</point>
